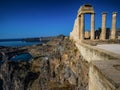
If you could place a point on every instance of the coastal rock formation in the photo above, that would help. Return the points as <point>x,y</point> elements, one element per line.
<point>56,65</point>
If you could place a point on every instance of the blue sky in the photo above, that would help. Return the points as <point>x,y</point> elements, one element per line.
<point>36,18</point>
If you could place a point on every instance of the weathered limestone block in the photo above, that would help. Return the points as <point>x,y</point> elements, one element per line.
<point>75,33</point>
<point>87,34</point>
<point>87,8</point>
<point>104,76</point>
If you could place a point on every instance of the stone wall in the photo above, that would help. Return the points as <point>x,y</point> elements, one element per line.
<point>97,78</point>
<point>75,32</point>
<point>91,53</point>
<point>102,74</point>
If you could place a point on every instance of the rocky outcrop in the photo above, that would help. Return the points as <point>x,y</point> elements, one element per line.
<point>56,65</point>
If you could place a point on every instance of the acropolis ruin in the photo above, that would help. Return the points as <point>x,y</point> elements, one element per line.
<point>78,32</point>
<point>102,57</point>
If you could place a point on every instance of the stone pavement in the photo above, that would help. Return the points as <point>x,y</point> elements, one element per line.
<point>115,48</point>
<point>110,69</point>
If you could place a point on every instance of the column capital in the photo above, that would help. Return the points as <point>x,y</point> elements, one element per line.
<point>114,12</point>
<point>104,12</point>
<point>93,13</point>
<point>82,14</point>
<point>78,16</point>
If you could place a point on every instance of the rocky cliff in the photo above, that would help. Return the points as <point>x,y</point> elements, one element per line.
<point>56,65</point>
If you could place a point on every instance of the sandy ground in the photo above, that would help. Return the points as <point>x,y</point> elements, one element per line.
<point>110,47</point>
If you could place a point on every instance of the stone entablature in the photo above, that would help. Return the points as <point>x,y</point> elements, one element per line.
<point>88,9</point>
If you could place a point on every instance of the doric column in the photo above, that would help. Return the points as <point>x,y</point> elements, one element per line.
<point>92,27</point>
<point>103,32</point>
<point>82,27</point>
<point>113,32</point>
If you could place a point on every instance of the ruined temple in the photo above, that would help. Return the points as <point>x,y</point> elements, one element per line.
<point>102,56</point>
<point>78,32</point>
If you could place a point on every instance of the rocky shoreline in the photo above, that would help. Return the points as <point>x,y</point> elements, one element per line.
<point>56,65</point>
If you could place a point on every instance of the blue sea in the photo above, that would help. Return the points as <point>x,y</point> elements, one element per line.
<point>18,43</point>
<point>22,57</point>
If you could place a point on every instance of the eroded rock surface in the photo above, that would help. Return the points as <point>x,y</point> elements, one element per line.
<point>56,65</point>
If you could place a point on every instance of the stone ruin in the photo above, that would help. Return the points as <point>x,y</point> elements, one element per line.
<point>79,33</point>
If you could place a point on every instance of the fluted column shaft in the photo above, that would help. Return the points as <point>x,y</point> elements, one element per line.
<point>92,27</point>
<point>113,32</point>
<point>103,32</point>
<point>82,27</point>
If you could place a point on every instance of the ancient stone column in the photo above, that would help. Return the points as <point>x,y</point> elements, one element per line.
<point>87,35</point>
<point>92,27</point>
<point>113,32</point>
<point>82,27</point>
<point>103,32</point>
